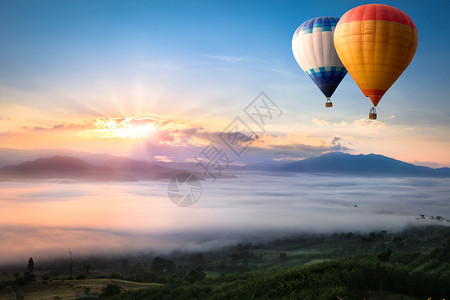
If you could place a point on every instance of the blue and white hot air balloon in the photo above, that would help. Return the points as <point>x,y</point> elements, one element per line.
<point>313,48</point>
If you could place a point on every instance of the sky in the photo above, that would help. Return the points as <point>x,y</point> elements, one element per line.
<point>160,80</point>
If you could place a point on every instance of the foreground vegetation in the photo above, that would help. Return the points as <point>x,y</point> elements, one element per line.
<point>413,264</point>
<point>352,278</point>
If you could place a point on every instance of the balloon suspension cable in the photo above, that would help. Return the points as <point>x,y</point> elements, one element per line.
<point>373,113</point>
<point>328,103</point>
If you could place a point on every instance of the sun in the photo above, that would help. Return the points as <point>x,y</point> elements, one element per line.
<point>125,128</point>
<point>135,131</point>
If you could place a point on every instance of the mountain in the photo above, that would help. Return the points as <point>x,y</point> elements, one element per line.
<point>112,169</point>
<point>61,167</point>
<point>360,165</point>
<point>138,169</point>
<point>16,156</point>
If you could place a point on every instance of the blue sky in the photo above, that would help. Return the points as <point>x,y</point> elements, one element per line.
<point>203,61</point>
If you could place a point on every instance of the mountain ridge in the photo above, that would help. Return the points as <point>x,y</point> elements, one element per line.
<point>360,164</point>
<point>128,169</point>
<point>59,166</point>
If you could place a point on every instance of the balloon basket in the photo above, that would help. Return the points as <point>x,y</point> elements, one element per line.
<point>373,114</point>
<point>328,103</point>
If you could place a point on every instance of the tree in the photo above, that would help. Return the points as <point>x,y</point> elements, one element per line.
<point>28,275</point>
<point>398,242</point>
<point>86,269</point>
<point>71,264</point>
<point>30,266</point>
<point>196,275</point>
<point>383,257</point>
<point>162,265</point>
<point>124,266</point>
<point>198,260</point>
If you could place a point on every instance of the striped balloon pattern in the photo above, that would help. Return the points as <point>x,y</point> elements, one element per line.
<point>313,48</point>
<point>376,43</point>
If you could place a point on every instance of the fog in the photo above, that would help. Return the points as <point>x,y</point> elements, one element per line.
<point>44,219</point>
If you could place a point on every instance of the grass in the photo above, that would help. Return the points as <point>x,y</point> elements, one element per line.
<point>69,289</point>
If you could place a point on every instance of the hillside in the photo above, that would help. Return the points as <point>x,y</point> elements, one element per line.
<point>360,165</point>
<point>140,170</point>
<point>110,168</point>
<point>61,167</point>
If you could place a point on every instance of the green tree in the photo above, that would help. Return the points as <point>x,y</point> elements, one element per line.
<point>198,260</point>
<point>162,265</point>
<point>383,257</point>
<point>196,275</point>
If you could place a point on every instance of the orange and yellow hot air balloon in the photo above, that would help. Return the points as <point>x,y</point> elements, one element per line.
<point>376,43</point>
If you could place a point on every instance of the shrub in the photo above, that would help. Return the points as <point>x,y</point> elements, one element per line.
<point>111,290</point>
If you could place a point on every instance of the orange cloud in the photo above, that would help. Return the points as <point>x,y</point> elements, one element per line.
<point>363,122</point>
<point>162,158</point>
<point>320,122</point>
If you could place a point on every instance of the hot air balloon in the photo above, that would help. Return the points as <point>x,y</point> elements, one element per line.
<point>376,43</point>
<point>313,48</point>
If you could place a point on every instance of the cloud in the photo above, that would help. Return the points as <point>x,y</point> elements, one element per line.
<point>320,122</point>
<point>427,164</point>
<point>163,158</point>
<point>250,148</point>
<point>165,139</point>
<point>288,158</point>
<point>292,146</point>
<point>335,140</point>
<point>126,128</point>
<point>87,124</point>
<point>99,221</point>
<point>363,122</point>
<point>341,124</point>
<point>12,124</point>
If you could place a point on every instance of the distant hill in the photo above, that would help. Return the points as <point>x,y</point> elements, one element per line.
<point>138,169</point>
<point>61,167</point>
<point>360,165</point>
<point>112,168</point>
<point>10,156</point>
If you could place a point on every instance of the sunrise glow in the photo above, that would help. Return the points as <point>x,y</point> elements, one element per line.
<point>125,128</point>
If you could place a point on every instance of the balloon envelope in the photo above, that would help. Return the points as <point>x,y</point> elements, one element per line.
<point>376,43</point>
<point>313,48</point>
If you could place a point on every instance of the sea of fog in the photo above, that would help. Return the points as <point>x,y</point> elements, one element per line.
<point>44,219</point>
